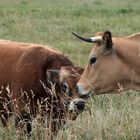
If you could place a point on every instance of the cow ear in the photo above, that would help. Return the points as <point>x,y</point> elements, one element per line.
<point>79,70</point>
<point>107,40</point>
<point>52,76</point>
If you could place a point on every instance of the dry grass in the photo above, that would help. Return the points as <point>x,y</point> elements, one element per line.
<point>114,117</point>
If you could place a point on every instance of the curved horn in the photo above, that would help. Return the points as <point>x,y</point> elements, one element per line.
<point>90,39</point>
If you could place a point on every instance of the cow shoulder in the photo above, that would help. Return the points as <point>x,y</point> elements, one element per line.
<point>29,69</point>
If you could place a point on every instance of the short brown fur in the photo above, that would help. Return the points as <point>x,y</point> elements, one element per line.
<point>23,69</point>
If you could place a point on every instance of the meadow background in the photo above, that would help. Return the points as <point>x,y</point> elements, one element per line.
<point>113,117</point>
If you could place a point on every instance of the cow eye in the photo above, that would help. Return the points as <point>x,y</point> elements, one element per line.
<point>65,87</point>
<point>93,60</point>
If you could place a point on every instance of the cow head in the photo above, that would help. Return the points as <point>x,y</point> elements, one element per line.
<point>66,78</point>
<point>105,70</point>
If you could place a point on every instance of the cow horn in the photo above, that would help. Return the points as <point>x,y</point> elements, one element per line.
<point>90,39</point>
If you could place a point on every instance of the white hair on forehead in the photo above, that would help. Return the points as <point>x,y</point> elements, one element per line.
<point>65,73</point>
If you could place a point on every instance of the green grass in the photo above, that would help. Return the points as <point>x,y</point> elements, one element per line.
<point>114,117</point>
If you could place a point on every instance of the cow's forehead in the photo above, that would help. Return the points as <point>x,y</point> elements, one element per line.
<point>92,53</point>
<point>63,74</point>
<point>68,74</point>
<point>96,50</point>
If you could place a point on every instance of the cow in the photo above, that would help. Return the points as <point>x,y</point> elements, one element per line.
<point>67,78</point>
<point>28,74</point>
<point>113,65</point>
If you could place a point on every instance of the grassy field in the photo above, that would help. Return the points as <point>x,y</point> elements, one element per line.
<point>114,117</point>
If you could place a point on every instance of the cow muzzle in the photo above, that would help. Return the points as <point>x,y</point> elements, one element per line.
<point>82,91</point>
<point>76,107</point>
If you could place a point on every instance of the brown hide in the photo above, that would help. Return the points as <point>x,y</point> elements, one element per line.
<point>113,65</point>
<point>23,69</point>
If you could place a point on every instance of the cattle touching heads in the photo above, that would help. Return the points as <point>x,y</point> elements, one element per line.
<point>66,78</point>
<point>113,65</point>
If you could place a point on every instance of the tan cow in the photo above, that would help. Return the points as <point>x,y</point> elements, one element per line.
<point>27,71</point>
<point>113,65</point>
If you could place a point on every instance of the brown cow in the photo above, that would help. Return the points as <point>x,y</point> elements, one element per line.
<point>114,64</point>
<point>25,69</point>
<point>67,78</point>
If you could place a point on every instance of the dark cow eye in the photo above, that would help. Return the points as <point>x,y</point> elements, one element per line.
<point>93,60</point>
<point>65,87</point>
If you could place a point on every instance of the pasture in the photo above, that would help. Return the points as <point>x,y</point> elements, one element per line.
<point>113,117</point>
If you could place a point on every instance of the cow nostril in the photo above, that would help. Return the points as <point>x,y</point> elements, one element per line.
<point>80,105</point>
